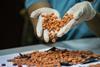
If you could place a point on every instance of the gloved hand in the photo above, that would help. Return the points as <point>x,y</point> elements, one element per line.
<point>81,12</point>
<point>44,34</point>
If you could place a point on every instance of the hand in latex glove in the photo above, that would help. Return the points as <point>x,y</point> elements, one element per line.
<point>81,12</point>
<point>39,30</point>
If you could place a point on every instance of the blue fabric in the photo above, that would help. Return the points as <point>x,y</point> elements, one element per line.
<point>28,3</point>
<point>81,30</point>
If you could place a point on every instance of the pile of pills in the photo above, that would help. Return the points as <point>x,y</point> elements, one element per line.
<point>53,24</point>
<point>54,58</point>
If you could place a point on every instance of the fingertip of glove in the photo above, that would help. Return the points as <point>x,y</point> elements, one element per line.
<point>39,27</point>
<point>46,35</point>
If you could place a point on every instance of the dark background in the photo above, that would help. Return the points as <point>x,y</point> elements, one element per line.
<point>16,29</point>
<point>12,23</point>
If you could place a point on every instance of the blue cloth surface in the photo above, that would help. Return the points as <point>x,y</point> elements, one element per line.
<point>81,30</point>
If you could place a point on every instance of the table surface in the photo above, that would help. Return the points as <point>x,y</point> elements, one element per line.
<point>92,44</point>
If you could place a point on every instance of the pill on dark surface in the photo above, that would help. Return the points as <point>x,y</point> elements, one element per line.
<point>14,64</point>
<point>3,64</point>
<point>9,60</point>
<point>65,64</point>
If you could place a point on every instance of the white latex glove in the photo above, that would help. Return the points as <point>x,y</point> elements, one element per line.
<point>82,11</point>
<point>39,30</point>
